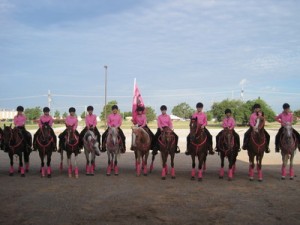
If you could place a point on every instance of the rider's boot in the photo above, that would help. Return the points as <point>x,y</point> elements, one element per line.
<point>177,150</point>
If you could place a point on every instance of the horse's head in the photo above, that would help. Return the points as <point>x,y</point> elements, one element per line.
<point>7,134</point>
<point>195,128</point>
<point>71,135</point>
<point>114,133</point>
<point>167,134</point>
<point>288,129</point>
<point>90,141</point>
<point>45,131</point>
<point>260,123</point>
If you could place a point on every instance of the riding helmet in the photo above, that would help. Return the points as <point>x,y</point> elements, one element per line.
<point>90,108</point>
<point>140,108</point>
<point>46,109</point>
<point>114,107</point>
<point>256,106</point>
<point>20,108</point>
<point>227,111</point>
<point>163,107</point>
<point>199,105</point>
<point>286,106</point>
<point>72,109</point>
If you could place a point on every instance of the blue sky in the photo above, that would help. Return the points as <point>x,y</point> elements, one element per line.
<point>179,51</point>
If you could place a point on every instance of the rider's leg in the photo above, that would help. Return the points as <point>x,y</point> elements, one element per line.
<point>246,139</point>
<point>237,140</point>
<point>187,152</point>
<point>277,139</point>
<point>267,141</point>
<point>104,135</point>
<point>34,139</point>
<point>156,146</point>
<point>298,137</point>
<point>123,140</point>
<point>210,142</point>
<point>62,140</point>
<point>177,150</point>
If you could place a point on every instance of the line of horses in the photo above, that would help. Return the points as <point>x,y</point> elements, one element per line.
<point>12,140</point>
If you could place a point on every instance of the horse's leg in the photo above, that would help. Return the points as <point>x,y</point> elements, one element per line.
<point>172,165</point>
<point>164,160</point>
<point>145,163</point>
<point>204,163</point>
<point>230,165</point>
<point>166,164</point>
<point>49,154</point>
<point>21,165</point>
<point>152,163</point>
<point>115,166</point>
<point>251,165</point>
<point>42,156</point>
<point>69,164</point>
<point>61,160</point>
<point>26,160</point>
<point>76,166</point>
<point>259,166</point>
<point>201,158</point>
<point>92,164</point>
<point>11,169</point>
<point>108,169</point>
<point>221,172</point>
<point>87,166</point>
<point>292,165</point>
<point>138,162</point>
<point>193,166</point>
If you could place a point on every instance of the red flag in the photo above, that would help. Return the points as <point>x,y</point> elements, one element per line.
<point>137,101</point>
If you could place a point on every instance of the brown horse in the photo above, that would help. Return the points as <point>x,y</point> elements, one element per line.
<point>15,144</point>
<point>1,139</point>
<point>167,147</point>
<point>142,143</point>
<point>256,148</point>
<point>45,145</point>
<point>288,146</point>
<point>227,147</point>
<point>198,147</point>
<point>71,146</point>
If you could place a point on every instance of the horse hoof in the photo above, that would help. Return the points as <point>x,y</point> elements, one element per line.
<point>145,174</point>
<point>220,177</point>
<point>192,178</point>
<point>23,175</point>
<point>27,170</point>
<point>49,176</point>
<point>291,178</point>
<point>108,174</point>
<point>116,174</point>
<point>87,174</point>
<point>70,175</point>
<point>282,178</point>
<point>11,174</point>
<point>76,177</point>
<point>251,178</point>
<point>229,179</point>
<point>199,179</point>
<point>173,177</point>
<point>260,180</point>
<point>91,174</point>
<point>163,178</point>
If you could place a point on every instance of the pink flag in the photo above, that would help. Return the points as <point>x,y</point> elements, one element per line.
<point>137,101</point>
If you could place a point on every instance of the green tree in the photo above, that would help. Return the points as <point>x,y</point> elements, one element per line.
<point>33,113</point>
<point>297,113</point>
<point>218,110</point>
<point>150,114</point>
<point>64,115</point>
<point>268,112</point>
<point>127,114</point>
<point>82,115</point>
<point>107,109</point>
<point>57,114</point>
<point>183,110</point>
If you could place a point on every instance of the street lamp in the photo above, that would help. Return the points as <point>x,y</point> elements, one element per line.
<point>105,93</point>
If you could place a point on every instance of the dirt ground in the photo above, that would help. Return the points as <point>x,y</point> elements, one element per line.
<point>127,199</point>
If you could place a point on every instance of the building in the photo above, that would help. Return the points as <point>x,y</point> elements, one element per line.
<point>6,114</point>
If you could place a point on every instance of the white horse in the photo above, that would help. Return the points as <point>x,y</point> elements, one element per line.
<point>113,144</point>
<point>288,146</point>
<point>91,149</point>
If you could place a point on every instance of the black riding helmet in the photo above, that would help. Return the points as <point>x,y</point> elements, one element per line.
<point>72,109</point>
<point>90,108</point>
<point>256,106</point>
<point>199,105</point>
<point>20,108</point>
<point>46,109</point>
<point>227,111</point>
<point>114,107</point>
<point>140,108</point>
<point>286,106</point>
<point>163,107</point>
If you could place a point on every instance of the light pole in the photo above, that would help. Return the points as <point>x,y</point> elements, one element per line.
<point>105,94</point>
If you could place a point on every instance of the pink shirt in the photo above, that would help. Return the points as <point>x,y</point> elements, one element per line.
<point>20,120</point>
<point>201,118</point>
<point>114,120</point>
<point>141,120</point>
<point>164,120</point>
<point>283,118</point>
<point>252,120</point>
<point>45,119</point>
<point>228,122</point>
<point>72,121</point>
<point>91,120</point>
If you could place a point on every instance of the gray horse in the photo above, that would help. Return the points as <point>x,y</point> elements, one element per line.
<point>91,149</point>
<point>113,144</point>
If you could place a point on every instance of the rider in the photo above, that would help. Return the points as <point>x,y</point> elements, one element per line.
<point>252,121</point>
<point>19,122</point>
<point>285,117</point>
<point>202,120</point>
<point>71,120</point>
<point>228,122</point>
<point>90,123</point>
<point>141,121</point>
<point>114,120</point>
<point>163,120</point>
<point>46,118</point>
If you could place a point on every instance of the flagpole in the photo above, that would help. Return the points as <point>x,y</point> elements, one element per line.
<point>134,83</point>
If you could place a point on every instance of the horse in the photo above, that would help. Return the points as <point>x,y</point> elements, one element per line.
<point>167,147</point>
<point>142,143</point>
<point>113,145</point>
<point>91,148</point>
<point>45,145</point>
<point>227,147</point>
<point>1,139</point>
<point>288,144</point>
<point>256,148</point>
<point>15,144</point>
<point>198,147</point>
<point>71,146</point>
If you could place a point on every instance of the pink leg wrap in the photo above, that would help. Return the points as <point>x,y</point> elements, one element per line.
<point>221,173</point>
<point>138,169</point>
<point>163,173</point>
<point>260,176</point>
<point>87,169</point>
<point>230,173</point>
<point>92,169</point>
<point>27,167</point>
<point>94,166</point>
<point>49,170</point>
<point>112,166</point>
<point>22,170</point>
<point>43,171</point>
<point>76,171</point>
<point>11,169</point>
<point>145,169</point>
<point>193,173</point>
<point>283,171</point>
<point>151,167</point>
<point>173,172</point>
<point>70,170</point>
<point>166,169</point>
<point>233,168</point>
<point>292,172</point>
<point>200,173</point>
<point>136,165</point>
<point>116,170</point>
<point>251,172</point>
